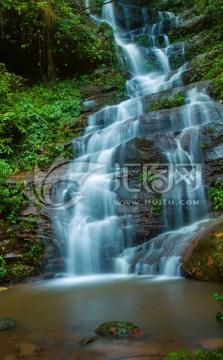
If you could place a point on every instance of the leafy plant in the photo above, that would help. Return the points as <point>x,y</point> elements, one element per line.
<point>175,61</point>
<point>157,207</point>
<point>19,271</point>
<point>3,269</point>
<point>12,197</point>
<point>33,121</point>
<point>46,30</point>
<point>168,103</point>
<point>146,177</point>
<point>219,299</point>
<point>198,355</point>
<point>33,253</point>
<point>143,41</point>
<point>205,145</point>
<point>216,195</point>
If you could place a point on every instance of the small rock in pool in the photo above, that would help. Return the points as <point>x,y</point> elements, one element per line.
<point>6,323</point>
<point>119,329</point>
<point>88,340</point>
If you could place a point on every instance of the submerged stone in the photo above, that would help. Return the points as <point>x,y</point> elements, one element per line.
<point>119,329</point>
<point>6,323</point>
<point>88,340</point>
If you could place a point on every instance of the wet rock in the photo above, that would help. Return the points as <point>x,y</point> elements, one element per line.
<point>212,147</point>
<point>202,260</point>
<point>56,264</point>
<point>29,350</point>
<point>119,329</point>
<point>7,323</point>
<point>49,275</point>
<point>88,105</point>
<point>61,276</point>
<point>139,205</point>
<point>88,340</point>
<point>11,257</point>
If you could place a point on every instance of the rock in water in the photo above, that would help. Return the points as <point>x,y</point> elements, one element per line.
<point>119,329</point>
<point>6,323</point>
<point>88,340</point>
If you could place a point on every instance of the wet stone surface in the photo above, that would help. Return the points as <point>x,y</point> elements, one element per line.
<point>119,329</point>
<point>7,323</point>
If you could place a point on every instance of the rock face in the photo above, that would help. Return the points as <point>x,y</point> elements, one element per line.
<point>21,247</point>
<point>203,258</point>
<point>212,145</point>
<point>119,329</point>
<point>30,244</point>
<point>134,200</point>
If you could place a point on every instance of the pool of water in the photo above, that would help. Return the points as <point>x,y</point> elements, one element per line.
<point>53,316</point>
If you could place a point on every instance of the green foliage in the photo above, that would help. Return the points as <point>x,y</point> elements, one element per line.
<point>51,37</point>
<point>109,79</point>
<point>146,177</point>
<point>168,103</point>
<point>29,223</point>
<point>12,197</point>
<point>198,355</point>
<point>96,6</point>
<point>204,37</point>
<point>33,253</point>
<point>3,268</point>
<point>210,67</point>
<point>217,86</point>
<point>19,271</point>
<point>171,5</point>
<point>157,207</point>
<point>219,299</point>
<point>143,41</point>
<point>33,121</point>
<point>205,145</point>
<point>176,61</point>
<point>216,195</point>
<point>213,7</point>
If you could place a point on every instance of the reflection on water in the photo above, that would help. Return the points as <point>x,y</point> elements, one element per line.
<point>55,315</point>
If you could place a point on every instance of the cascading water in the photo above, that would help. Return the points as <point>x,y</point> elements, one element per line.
<point>94,232</point>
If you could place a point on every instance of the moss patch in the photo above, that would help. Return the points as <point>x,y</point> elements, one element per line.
<point>205,260</point>
<point>6,323</point>
<point>168,103</point>
<point>118,329</point>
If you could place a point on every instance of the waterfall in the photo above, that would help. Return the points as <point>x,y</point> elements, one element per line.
<point>93,230</point>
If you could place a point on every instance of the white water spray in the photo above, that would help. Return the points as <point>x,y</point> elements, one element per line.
<point>94,231</point>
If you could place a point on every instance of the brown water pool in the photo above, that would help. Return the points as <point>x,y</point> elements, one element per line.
<point>53,316</point>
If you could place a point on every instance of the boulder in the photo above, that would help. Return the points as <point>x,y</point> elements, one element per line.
<point>202,259</point>
<point>7,323</point>
<point>119,329</point>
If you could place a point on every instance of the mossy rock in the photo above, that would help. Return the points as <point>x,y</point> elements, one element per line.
<point>6,323</point>
<point>119,329</point>
<point>203,260</point>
